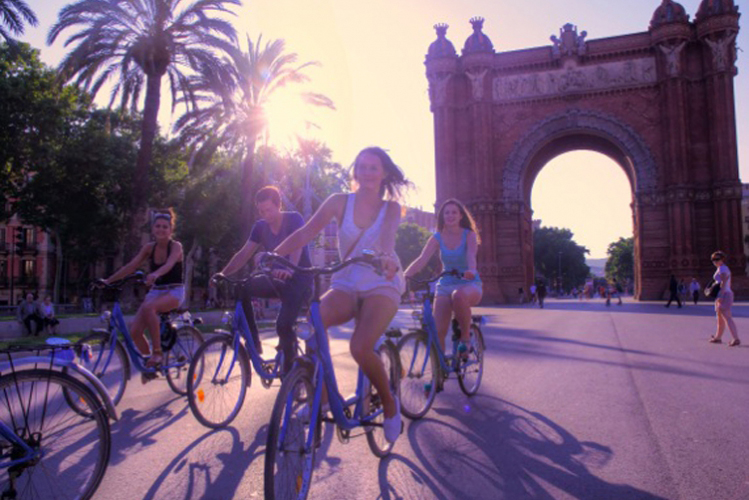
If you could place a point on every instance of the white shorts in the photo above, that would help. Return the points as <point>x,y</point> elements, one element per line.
<point>362,282</point>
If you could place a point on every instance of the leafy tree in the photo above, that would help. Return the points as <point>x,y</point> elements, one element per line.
<point>409,242</point>
<point>232,101</point>
<point>620,264</point>
<point>36,115</point>
<point>141,41</point>
<point>14,13</point>
<point>553,246</point>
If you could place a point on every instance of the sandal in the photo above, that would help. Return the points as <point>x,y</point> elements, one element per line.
<point>734,343</point>
<point>715,340</point>
<point>155,360</point>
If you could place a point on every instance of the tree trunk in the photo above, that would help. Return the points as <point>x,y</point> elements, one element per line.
<point>189,270</point>
<point>247,204</point>
<point>141,187</point>
<point>58,267</point>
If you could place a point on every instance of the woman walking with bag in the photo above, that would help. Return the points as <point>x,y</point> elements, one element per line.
<point>724,302</point>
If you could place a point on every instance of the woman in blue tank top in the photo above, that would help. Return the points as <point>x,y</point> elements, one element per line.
<point>457,240</point>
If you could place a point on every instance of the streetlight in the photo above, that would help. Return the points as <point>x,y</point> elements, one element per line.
<point>559,275</point>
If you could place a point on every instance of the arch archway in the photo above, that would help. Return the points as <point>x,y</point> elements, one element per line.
<point>660,103</point>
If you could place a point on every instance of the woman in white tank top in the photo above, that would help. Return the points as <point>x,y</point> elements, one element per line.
<point>366,220</point>
<point>724,302</point>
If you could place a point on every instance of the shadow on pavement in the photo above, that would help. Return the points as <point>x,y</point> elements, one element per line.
<point>137,429</point>
<point>401,478</point>
<point>525,343</point>
<point>212,466</point>
<point>494,449</point>
<point>630,306</point>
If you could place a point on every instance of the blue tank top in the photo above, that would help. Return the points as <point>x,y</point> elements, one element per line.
<point>455,259</point>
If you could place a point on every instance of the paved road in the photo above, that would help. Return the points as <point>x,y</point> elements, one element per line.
<point>578,401</point>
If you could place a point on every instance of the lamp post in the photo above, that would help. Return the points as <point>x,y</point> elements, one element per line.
<point>559,276</point>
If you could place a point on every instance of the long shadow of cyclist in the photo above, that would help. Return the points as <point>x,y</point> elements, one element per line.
<point>136,429</point>
<point>496,449</point>
<point>212,466</point>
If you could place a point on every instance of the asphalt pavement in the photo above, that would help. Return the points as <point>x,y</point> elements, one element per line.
<point>578,401</point>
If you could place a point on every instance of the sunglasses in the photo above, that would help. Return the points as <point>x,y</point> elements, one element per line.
<point>716,259</point>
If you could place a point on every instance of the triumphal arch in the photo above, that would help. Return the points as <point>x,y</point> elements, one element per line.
<point>659,103</point>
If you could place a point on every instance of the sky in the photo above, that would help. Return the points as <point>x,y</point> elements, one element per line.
<point>371,56</point>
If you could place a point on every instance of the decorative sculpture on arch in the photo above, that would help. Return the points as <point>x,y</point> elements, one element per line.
<point>673,58</point>
<point>438,88</point>
<point>569,42</point>
<point>720,50</point>
<point>477,83</point>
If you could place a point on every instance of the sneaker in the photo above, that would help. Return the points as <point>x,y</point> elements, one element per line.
<point>462,350</point>
<point>427,389</point>
<point>393,425</point>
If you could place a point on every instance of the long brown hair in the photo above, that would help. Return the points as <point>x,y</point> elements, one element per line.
<point>394,182</point>
<point>466,219</point>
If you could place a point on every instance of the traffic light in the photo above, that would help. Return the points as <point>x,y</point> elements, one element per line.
<point>20,238</point>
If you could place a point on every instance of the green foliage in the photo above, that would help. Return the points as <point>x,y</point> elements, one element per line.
<point>548,244</point>
<point>409,242</point>
<point>620,264</point>
<point>36,116</point>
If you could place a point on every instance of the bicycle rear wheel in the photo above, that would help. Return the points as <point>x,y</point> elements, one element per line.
<point>380,446</point>
<point>418,377</point>
<point>189,339</point>
<point>217,381</point>
<point>472,370</point>
<point>74,445</point>
<point>113,371</point>
<point>289,462</point>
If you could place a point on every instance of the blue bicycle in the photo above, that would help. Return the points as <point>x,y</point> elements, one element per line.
<point>425,367</point>
<point>108,359</point>
<point>296,421</point>
<point>220,374</point>
<point>50,448</point>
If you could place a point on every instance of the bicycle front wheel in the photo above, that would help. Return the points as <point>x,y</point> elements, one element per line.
<point>380,446</point>
<point>289,452</point>
<point>113,371</point>
<point>73,446</point>
<point>418,377</point>
<point>217,381</point>
<point>189,339</point>
<point>472,370</point>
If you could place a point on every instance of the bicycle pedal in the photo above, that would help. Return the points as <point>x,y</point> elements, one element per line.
<point>147,377</point>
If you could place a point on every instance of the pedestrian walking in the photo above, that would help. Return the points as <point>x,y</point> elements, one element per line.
<point>613,291</point>
<point>694,290</point>
<point>723,304</point>
<point>673,288</point>
<point>541,293</point>
<point>521,295</point>
<point>533,294</point>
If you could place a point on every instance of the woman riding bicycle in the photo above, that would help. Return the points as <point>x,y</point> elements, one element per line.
<point>167,289</point>
<point>457,240</point>
<point>366,221</point>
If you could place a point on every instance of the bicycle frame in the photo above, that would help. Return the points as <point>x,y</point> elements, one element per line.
<point>117,323</point>
<point>431,330</point>
<point>29,454</point>
<point>325,375</point>
<point>241,329</point>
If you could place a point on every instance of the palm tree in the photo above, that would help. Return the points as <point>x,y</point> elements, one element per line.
<point>13,14</point>
<point>230,103</point>
<point>141,41</point>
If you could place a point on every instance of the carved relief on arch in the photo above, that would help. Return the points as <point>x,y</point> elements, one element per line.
<point>577,121</point>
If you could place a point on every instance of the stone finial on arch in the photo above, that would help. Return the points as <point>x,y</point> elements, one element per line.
<point>578,121</point>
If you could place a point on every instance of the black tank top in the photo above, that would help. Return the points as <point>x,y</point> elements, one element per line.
<point>174,276</point>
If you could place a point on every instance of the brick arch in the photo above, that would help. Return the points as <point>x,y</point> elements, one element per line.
<point>626,148</point>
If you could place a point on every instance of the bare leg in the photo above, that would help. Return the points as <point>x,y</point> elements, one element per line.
<point>721,324</point>
<point>136,331</point>
<point>728,318</point>
<point>463,299</point>
<point>443,312</point>
<point>374,316</point>
<point>149,317</point>
<point>336,308</point>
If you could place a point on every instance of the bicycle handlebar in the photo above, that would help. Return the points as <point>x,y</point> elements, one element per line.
<point>451,272</point>
<point>268,258</point>
<point>139,276</point>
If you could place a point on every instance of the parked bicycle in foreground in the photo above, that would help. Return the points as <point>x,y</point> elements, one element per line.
<point>220,374</point>
<point>109,360</point>
<point>296,421</point>
<point>54,428</point>
<point>425,367</point>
